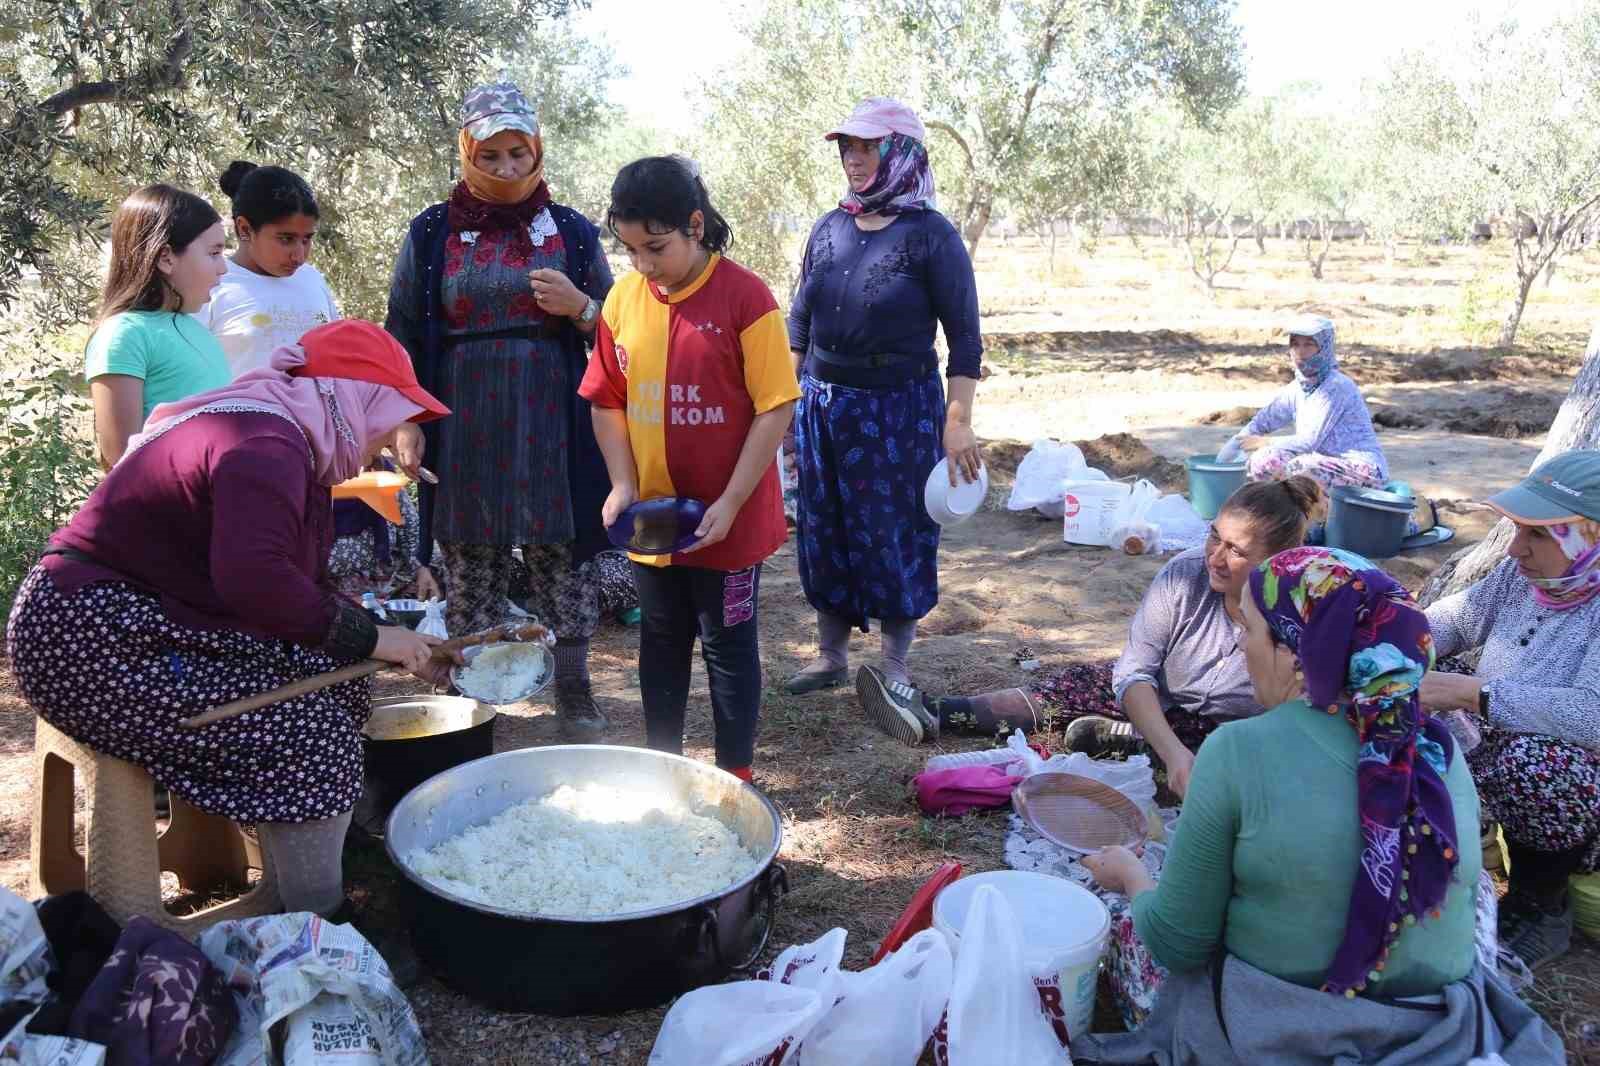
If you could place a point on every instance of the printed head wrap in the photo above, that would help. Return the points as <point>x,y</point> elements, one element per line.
<point>499,107</point>
<point>1363,646</point>
<point>1315,370</point>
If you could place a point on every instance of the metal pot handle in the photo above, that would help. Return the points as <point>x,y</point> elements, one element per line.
<point>773,883</point>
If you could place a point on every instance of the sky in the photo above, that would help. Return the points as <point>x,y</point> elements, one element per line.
<point>666,47</point>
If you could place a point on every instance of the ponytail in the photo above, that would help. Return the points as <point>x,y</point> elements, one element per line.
<point>662,193</point>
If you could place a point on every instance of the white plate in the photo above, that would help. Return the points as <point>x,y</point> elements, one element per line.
<point>532,648</point>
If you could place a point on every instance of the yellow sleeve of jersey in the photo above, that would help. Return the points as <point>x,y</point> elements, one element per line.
<point>768,364</point>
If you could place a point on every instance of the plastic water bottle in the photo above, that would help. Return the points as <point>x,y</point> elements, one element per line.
<point>990,757</point>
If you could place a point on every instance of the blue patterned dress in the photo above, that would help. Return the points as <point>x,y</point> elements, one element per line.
<point>869,426</point>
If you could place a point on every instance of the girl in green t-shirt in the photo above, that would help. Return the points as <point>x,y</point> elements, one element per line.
<point>147,349</point>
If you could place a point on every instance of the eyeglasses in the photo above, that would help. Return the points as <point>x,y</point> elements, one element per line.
<point>1214,539</point>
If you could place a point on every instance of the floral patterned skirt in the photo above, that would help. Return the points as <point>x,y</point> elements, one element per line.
<point>1544,792</point>
<point>107,667</point>
<point>1329,471</point>
<point>1080,689</point>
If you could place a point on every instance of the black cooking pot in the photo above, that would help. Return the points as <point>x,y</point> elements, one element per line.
<point>565,965</point>
<point>408,739</point>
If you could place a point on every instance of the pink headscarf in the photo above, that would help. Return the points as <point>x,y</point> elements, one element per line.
<point>337,416</point>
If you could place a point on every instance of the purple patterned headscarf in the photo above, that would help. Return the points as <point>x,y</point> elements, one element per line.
<point>903,182</point>
<point>1363,645</point>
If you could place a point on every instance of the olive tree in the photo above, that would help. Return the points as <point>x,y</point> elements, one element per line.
<point>1505,126</point>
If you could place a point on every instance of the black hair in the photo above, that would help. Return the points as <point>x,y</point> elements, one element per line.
<point>264,195</point>
<point>1278,511</point>
<point>662,192</point>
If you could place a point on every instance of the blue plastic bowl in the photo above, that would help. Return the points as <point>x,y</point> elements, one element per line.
<point>658,526</point>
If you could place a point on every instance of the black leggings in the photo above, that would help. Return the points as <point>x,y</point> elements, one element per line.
<point>677,604</point>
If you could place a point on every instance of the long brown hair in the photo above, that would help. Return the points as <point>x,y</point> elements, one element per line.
<point>1278,511</point>
<point>150,220</point>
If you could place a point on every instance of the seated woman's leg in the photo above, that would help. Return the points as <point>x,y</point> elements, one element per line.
<point>1331,471</point>
<point>1545,793</point>
<point>306,859</point>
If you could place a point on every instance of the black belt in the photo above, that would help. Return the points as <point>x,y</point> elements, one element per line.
<point>548,329</point>
<point>74,554</point>
<point>877,361</point>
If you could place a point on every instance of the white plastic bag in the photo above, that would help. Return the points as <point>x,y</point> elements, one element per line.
<point>1180,524</point>
<point>432,624</point>
<point>1132,776</point>
<point>744,1023</point>
<point>888,1012</point>
<point>1042,473</point>
<point>1140,498</point>
<point>994,1014</point>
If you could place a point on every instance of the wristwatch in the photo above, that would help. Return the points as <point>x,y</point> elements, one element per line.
<point>591,311</point>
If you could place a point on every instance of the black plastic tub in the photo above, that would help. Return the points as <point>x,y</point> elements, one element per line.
<point>408,739</point>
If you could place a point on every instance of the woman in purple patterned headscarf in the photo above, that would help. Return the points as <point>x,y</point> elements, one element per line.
<point>1318,849</point>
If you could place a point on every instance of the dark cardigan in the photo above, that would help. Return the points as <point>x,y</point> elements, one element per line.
<point>420,329</point>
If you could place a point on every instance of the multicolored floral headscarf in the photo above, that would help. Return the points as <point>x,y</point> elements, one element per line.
<point>1580,542</point>
<point>1316,369</point>
<point>903,182</point>
<point>1363,646</point>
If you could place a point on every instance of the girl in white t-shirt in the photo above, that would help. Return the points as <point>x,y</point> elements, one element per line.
<point>270,295</point>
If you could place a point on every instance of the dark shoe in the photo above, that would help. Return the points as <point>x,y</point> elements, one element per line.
<point>581,720</point>
<point>809,680</point>
<point>1535,932</point>
<point>895,707</point>
<point>1095,736</point>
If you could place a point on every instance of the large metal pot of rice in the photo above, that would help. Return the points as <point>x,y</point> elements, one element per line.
<point>563,963</point>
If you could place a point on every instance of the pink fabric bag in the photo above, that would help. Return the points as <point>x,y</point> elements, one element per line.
<point>964,788</point>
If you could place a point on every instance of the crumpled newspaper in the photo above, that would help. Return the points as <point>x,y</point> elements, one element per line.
<point>341,1004</point>
<point>25,962</point>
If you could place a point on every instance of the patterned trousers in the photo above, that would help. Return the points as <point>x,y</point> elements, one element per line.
<point>1329,471</point>
<point>479,576</point>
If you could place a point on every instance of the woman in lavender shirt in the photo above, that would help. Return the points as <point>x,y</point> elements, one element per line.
<point>1333,439</point>
<point>880,275</point>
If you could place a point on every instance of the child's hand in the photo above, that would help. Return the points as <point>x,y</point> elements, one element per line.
<point>716,524</point>
<point>621,498</point>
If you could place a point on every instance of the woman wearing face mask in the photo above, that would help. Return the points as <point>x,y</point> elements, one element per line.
<point>196,574</point>
<point>270,295</point>
<point>146,348</point>
<point>496,294</point>
<point>1333,439</point>
<point>1536,619</point>
<point>1182,672</point>
<point>880,275</point>
<point>1320,892</point>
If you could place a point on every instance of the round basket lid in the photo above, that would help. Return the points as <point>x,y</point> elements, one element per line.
<point>1078,813</point>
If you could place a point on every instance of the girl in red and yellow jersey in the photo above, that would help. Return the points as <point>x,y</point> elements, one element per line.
<point>692,389</point>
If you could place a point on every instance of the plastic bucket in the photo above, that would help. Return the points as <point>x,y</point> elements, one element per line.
<point>1089,510</point>
<point>1585,892</point>
<point>1060,920</point>
<point>1211,482</point>
<point>1369,522</point>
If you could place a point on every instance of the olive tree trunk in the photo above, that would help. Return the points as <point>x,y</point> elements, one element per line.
<point>1577,425</point>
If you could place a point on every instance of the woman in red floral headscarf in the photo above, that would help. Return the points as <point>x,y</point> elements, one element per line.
<point>495,295</point>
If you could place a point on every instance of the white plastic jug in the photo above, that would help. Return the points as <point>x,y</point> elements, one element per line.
<point>1090,510</point>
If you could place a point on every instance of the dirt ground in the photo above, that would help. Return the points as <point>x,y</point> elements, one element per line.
<point>1121,343</point>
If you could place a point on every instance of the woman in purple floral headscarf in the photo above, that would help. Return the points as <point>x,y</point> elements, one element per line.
<point>1317,851</point>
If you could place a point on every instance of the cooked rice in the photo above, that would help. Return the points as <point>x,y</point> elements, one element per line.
<point>504,673</point>
<point>588,851</point>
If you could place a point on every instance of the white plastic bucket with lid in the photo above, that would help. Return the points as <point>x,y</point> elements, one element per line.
<point>1089,510</point>
<point>1064,927</point>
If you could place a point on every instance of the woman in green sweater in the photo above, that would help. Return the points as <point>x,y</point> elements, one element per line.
<point>1317,853</point>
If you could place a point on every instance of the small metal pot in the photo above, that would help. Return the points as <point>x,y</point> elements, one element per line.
<point>408,739</point>
<point>566,965</point>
